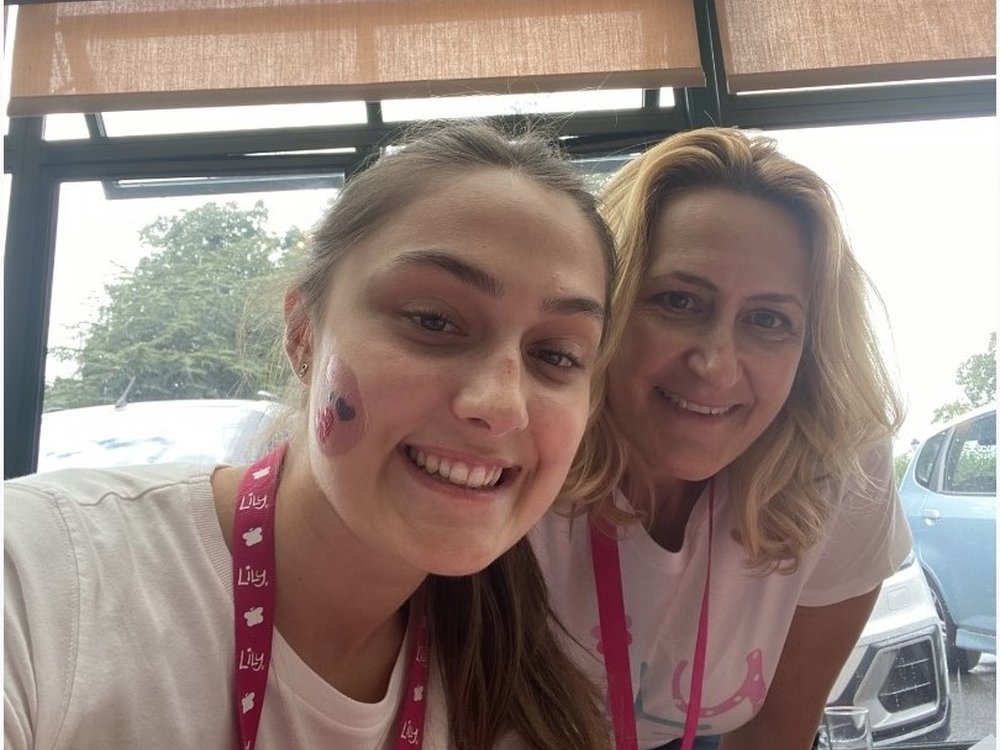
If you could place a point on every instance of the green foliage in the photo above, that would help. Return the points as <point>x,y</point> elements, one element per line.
<point>978,377</point>
<point>173,324</point>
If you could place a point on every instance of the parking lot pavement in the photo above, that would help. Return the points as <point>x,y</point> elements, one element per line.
<point>974,702</point>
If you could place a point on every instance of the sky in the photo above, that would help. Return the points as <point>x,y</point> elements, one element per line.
<point>918,199</point>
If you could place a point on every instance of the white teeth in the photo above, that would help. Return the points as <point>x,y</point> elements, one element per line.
<point>456,472</point>
<point>696,408</point>
<point>477,476</point>
<point>459,473</point>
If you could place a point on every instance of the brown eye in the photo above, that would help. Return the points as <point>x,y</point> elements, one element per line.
<point>557,358</point>
<point>431,321</point>
<point>768,319</point>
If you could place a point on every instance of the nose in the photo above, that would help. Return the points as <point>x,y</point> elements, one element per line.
<point>492,394</point>
<point>714,358</point>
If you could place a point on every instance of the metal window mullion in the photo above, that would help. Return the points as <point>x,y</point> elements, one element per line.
<point>28,265</point>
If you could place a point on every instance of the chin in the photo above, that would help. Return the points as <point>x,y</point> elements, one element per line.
<point>698,469</point>
<point>459,570</point>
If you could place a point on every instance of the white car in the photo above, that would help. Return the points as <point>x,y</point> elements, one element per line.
<point>147,432</point>
<point>897,670</point>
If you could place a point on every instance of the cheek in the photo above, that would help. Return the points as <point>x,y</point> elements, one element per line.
<point>776,380</point>
<point>340,420</point>
<point>564,422</point>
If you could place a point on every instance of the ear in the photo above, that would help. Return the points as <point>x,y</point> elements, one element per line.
<point>298,330</point>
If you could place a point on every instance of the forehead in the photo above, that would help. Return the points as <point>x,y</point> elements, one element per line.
<point>497,219</point>
<point>484,214</point>
<point>729,234</point>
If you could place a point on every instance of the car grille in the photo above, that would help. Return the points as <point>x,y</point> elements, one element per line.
<point>910,681</point>
<point>904,686</point>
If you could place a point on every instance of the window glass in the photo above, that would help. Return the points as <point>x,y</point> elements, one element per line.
<point>971,467</point>
<point>66,126</point>
<point>212,119</point>
<point>927,459</point>
<point>919,201</point>
<point>481,105</point>
<point>171,299</point>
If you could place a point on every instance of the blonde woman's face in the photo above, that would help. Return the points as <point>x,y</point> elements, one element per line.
<point>715,338</point>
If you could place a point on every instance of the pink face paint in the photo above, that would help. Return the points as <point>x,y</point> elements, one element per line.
<point>340,417</point>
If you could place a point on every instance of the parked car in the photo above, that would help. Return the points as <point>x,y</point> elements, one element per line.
<point>897,668</point>
<point>146,432</point>
<point>949,494</point>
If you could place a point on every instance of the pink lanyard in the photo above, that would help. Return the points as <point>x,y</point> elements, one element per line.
<point>614,636</point>
<point>253,612</point>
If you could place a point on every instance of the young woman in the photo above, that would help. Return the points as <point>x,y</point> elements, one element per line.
<point>747,415</point>
<point>366,585</point>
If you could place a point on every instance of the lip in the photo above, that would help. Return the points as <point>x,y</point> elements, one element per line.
<point>441,485</point>
<point>694,408</point>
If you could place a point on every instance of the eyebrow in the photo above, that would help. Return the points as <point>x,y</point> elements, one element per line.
<point>461,270</point>
<point>484,282</point>
<point>764,297</point>
<point>574,306</point>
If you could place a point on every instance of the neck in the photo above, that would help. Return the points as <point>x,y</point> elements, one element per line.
<point>673,501</point>
<point>341,612</point>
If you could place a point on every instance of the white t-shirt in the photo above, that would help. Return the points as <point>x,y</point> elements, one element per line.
<point>118,627</point>
<point>749,614</point>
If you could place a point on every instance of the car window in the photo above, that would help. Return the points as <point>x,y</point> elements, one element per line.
<point>972,458</point>
<point>927,460</point>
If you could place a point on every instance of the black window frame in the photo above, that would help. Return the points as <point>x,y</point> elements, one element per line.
<point>38,168</point>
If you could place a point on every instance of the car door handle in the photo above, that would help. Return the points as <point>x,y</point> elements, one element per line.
<point>930,516</point>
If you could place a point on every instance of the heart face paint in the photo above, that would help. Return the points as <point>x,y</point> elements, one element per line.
<point>340,417</point>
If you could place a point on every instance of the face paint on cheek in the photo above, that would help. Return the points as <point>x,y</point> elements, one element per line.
<point>340,416</point>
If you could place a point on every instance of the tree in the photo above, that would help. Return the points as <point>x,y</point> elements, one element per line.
<point>978,377</point>
<point>173,324</point>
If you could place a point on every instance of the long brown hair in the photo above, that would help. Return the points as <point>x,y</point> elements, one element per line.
<point>493,633</point>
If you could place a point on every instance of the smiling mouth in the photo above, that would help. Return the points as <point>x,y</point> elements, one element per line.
<point>458,473</point>
<point>691,406</point>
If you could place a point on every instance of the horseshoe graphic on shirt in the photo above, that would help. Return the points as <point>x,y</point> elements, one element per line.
<point>753,688</point>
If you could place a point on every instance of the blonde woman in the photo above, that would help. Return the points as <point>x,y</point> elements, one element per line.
<point>748,417</point>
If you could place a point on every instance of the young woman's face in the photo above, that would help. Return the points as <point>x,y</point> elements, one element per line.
<point>453,370</point>
<point>715,338</point>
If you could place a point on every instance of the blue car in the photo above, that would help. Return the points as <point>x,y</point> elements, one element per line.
<point>949,493</point>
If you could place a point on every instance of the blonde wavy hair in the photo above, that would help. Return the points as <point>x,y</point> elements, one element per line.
<point>843,399</point>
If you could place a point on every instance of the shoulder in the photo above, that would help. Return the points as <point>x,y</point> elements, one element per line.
<point>79,514</point>
<point>92,486</point>
<point>867,537</point>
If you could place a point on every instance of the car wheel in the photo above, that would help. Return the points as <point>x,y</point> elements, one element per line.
<point>959,660</point>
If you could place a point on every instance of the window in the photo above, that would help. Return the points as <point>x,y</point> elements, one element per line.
<point>971,467</point>
<point>927,459</point>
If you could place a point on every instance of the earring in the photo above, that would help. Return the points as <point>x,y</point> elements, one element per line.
<point>303,368</point>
